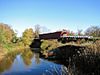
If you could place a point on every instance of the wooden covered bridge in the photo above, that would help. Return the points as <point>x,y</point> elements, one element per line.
<point>61,36</point>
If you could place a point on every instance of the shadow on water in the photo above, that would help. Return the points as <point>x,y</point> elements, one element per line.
<point>29,63</point>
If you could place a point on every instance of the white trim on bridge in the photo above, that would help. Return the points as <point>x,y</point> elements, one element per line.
<point>77,36</point>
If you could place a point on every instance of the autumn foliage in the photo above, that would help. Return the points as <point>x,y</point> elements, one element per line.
<point>27,36</point>
<point>6,33</point>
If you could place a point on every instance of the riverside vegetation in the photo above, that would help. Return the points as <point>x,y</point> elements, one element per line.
<point>87,63</point>
<point>9,41</point>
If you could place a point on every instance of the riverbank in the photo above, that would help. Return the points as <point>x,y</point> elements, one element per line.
<point>14,48</point>
<point>92,45</point>
<point>86,62</point>
<point>80,59</point>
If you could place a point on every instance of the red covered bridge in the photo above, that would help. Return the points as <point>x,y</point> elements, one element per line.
<point>62,35</point>
<point>54,35</point>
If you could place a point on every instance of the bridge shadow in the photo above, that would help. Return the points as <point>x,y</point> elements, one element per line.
<point>64,54</point>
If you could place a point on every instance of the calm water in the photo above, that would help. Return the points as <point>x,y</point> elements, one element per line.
<point>29,63</point>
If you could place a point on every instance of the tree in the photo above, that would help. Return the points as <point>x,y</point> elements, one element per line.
<point>15,39</point>
<point>6,33</point>
<point>93,31</point>
<point>28,36</point>
<point>37,31</point>
<point>79,32</point>
<point>2,37</point>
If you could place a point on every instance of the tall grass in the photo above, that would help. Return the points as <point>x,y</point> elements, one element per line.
<point>88,62</point>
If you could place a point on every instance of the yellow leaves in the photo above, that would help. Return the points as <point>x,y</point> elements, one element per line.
<point>28,36</point>
<point>6,32</point>
<point>27,56</point>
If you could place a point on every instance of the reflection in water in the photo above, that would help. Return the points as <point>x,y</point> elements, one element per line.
<point>37,58</point>
<point>29,63</point>
<point>27,55</point>
<point>6,63</point>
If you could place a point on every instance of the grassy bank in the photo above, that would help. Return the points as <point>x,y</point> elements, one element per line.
<point>9,48</point>
<point>87,63</point>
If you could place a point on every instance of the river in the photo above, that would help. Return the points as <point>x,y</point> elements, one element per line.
<point>29,63</point>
